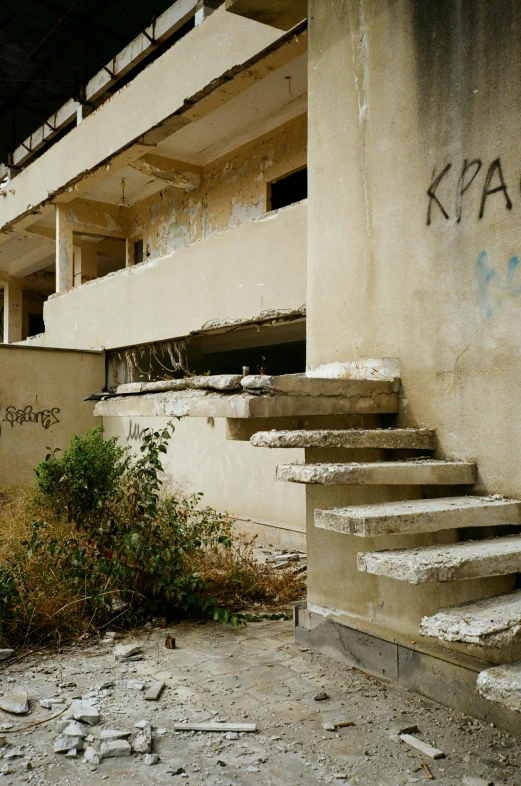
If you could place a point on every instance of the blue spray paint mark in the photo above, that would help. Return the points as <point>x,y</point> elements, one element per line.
<point>489,281</point>
<point>513,283</point>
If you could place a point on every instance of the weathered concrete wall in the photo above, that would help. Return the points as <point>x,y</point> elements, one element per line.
<point>41,404</point>
<point>234,190</point>
<point>235,477</point>
<point>428,96</point>
<point>235,274</point>
<point>427,99</point>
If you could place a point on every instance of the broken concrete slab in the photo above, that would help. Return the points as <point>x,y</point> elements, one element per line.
<point>301,385</point>
<point>84,711</point>
<point>216,382</point>
<point>215,727</point>
<point>420,515</point>
<point>208,403</point>
<point>474,559</point>
<point>164,385</point>
<point>113,749</point>
<point>502,684</point>
<point>15,702</point>
<point>142,742</point>
<point>154,691</point>
<point>413,473</point>
<point>125,651</point>
<point>490,622</point>
<point>388,439</point>
<point>91,755</point>
<point>5,654</point>
<point>75,729</point>
<point>65,743</point>
<point>469,781</point>
<point>423,747</point>
<point>112,734</point>
<point>150,759</point>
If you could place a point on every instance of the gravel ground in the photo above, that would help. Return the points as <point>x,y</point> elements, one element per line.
<point>251,675</point>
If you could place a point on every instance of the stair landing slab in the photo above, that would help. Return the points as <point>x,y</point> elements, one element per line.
<point>470,560</point>
<point>389,439</point>
<point>389,473</point>
<point>502,684</point>
<point>490,622</point>
<point>420,515</point>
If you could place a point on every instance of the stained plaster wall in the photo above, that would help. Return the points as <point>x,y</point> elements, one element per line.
<point>234,190</point>
<point>41,404</point>
<point>424,89</point>
<point>234,477</point>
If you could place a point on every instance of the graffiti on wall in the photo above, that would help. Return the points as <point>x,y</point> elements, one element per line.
<point>135,432</point>
<point>45,417</point>
<point>496,287</point>
<point>443,204</point>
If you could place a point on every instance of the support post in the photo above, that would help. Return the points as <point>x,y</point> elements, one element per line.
<point>85,263</point>
<point>129,252</point>
<point>12,310</point>
<point>64,249</point>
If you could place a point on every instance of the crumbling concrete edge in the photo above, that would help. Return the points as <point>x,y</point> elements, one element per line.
<point>439,680</point>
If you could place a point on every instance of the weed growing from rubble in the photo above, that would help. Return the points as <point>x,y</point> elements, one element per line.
<point>97,541</point>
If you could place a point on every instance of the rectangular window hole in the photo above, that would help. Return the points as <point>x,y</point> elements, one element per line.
<point>288,190</point>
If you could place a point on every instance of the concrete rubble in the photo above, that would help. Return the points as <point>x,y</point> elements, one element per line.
<point>239,707</point>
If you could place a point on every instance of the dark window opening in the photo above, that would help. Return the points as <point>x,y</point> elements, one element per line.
<point>138,252</point>
<point>289,189</point>
<point>264,349</point>
<point>36,325</point>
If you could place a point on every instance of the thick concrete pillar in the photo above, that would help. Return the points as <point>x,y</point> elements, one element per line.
<point>64,249</point>
<point>12,310</point>
<point>85,263</point>
<point>129,252</point>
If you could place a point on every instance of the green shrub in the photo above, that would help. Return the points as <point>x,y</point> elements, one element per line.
<point>81,483</point>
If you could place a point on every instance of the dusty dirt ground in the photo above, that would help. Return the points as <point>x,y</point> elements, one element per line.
<point>255,674</point>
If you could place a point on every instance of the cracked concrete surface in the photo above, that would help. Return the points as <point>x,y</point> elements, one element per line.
<point>255,675</point>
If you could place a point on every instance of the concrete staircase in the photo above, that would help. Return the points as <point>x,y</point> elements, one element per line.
<point>493,622</point>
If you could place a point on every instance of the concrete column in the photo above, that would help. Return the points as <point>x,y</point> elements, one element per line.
<point>13,310</point>
<point>129,252</point>
<point>64,250</point>
<point>85,263</point>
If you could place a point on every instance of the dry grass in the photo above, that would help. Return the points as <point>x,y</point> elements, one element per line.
<point>237,580</point>
<point>53,606</point>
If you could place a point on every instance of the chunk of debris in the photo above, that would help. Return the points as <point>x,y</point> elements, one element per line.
<point>142,742</point>
<point>15,702</point>
<point>135,685</point>
<point>84,711</point>
<point>170,643</point>
<point>150,759</point>
<point>5,654</point>
<point>113,749</point>
<point>49,704</point>
<point>65,743</point>
<point>321,696</point>
<point>247,727</point>
<point>468,781</point>
<point>14,753</point>
<point>422,747</point>
<point>125,651</point>
<point>334,725</point>
<point>403,727</point>
<point>91,755</point>
<point>154,691</point>
<point>112,734</point>
<point>75,729</point>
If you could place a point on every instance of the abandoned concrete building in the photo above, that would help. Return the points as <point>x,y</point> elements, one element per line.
<point>295,229</point>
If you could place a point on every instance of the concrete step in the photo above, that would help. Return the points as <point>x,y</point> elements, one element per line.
<point>502,684</point>
<point>420,515</point>
<point>389,438</point>
<point>389,473</point>
<point>491,622</point>
<point>470,560</point>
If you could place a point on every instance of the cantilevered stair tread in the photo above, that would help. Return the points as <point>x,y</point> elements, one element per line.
<point>420,515</point>
<point>411,473</point>
<point>385,439</point>
<point>470,560</point>
<point>490,622</point>
<point>502,684</point>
